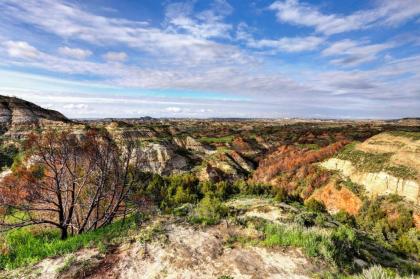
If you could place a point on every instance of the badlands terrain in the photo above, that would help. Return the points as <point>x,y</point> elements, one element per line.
<point>216,198</point>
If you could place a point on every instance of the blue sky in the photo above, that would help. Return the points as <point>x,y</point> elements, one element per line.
<point>219,58</point>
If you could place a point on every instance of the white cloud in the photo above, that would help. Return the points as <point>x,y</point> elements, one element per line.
<point>286,44</point>
<point>187,54</point>
<point>387,12</point>
<point>294,44</point>
<point>173,109</point>
<point>205,24</point>
<point>352,53</point>
<point>77,53</point>
<point>115,56</point>
<point>20,49</point>
<point>75,106</point>
<point>166,45</point>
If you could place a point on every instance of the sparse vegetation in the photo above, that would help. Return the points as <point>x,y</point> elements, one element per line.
<point>407,134</point>
<point>26,246</point>
<point>259,161</point>
<point>209,210</point>
<point>226,139</point>
<point>374,162</point>
<point>389,220</point>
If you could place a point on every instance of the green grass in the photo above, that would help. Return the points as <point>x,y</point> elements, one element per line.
<point>226,139</point>
<point>369,162</point>
<point>411,135</point>
<point>374,162</point>
<point>313,244</point>
<point>401,171</point>
<point>25,246</point>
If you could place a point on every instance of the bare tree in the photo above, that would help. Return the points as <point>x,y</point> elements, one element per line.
<point>74,182</point>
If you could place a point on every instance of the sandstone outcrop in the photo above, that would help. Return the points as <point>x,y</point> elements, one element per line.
<point>16,115</point>
<point>192,144</point>
<point>161,159</point>
<point>379,183</point>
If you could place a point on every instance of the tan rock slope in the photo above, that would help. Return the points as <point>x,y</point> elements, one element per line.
<point>15,114</point>
<point>404,152</point>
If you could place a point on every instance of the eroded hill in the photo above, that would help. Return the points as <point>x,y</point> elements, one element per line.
<point>229,199</point>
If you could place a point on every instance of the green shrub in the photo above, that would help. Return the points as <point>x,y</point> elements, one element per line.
<point>7,155</point>
<point>223,190</point>
<point>315,205</point>
<point>226,139</point>
<point>251,188</point>
<point>305,219</point>
<point>321,219</point>
<point>345,218</point>
<point>347,245</point>
<point>409,242</point>
<point>181,189</point>
<point>209,211</point>
<point>389,220</point>
<point>280,195</point>
<point>156,188</point>
<point>183,210</point>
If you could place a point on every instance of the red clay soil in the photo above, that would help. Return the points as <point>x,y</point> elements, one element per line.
<point>338,199</point>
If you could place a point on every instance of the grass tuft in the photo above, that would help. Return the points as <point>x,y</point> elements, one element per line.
<point>27,246</point>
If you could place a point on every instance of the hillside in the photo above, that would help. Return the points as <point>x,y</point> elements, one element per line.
<point>15,114</point>
<point>207,198</point>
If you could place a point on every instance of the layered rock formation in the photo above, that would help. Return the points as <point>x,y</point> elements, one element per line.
<point>192,144</point>
<point>161,159</point>
<point>17,114</point>
<point>379,183</point>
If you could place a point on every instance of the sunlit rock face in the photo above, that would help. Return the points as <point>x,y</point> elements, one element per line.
<point>161,159</point>
<point>17,115</point>
<point>379,183</point>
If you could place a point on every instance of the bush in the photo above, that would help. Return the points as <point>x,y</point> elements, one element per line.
<point>389,220</point>
<point>315,206</point>
<point>250,188</point>
<point>409,242</point>
<point>209,211</point>
<point>345,218</point>
<point>7,155</point>
<point>321,219</point>
<point>305,219</point>
<point>347,245</point>
<point>223,190</point>
<point>181,189</point>
<point>156,189</point>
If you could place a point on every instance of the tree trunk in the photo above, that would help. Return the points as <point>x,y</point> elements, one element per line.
<point>64,233</point>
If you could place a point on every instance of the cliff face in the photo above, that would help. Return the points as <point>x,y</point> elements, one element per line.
<point>387,163</point>
<point>379,183</point>
<point>16,113</point>
<point>338,199</point>
<point>161,159</point>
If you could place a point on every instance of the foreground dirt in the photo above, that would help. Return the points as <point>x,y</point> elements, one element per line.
<point>191,253</point>
<point>171,248</point>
